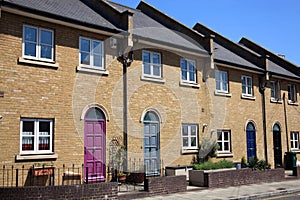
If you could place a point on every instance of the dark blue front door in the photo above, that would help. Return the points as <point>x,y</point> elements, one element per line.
<point>251,141</point>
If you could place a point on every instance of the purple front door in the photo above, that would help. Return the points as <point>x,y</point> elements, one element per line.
<point>94,149</point>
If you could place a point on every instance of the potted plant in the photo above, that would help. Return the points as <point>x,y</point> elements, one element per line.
<point>120,161</point>
<point>43,169</point>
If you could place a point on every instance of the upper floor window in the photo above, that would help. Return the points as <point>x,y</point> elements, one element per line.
<point>38,43</point>
<point>275,90</point>
<point>36,136</point>
<point>189,136</point>
<point>221,81</point>
<point>294,140</point>
<point>224,141</point>
<point>247,85</point>
<point>188,70</point>
<point>151,64</point>
<point>292,93</point>
<point>91,53</point>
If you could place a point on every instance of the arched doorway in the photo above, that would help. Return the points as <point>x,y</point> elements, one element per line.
<point>251,140</point>
<point>277,145</point>
<point>94,145</point>
<point>151,143</point>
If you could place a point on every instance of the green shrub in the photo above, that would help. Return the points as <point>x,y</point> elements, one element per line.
<point>213,165</point>
<point>256,164</point>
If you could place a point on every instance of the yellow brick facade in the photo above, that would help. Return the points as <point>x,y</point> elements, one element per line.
<point>64,94</point>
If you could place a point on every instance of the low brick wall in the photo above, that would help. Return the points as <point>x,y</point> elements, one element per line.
<point>165,185</point>
<point>90,191</point>
<point>234,177</point>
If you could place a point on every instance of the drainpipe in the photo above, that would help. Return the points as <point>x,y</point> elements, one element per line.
<point>126,58</point>
<point>262,88</point>
<point>286,124</point>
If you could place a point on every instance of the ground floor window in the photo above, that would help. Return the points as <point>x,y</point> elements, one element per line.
<point>224,141</point>
<point>189,136</point>
<point>36,136</point>
<point>295,140</point>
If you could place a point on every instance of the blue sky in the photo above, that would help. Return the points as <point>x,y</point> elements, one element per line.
<point>273,24</point>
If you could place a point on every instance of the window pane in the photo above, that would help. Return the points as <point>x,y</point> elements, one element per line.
<point>44,143</point>
<point>27,143</point>
<point>191,67</point>
<point>220,136</point>
<point>220,146</point>
<point>193,142</point>
<point>183,64</point>
<point>30,49</point>
<point>46,37</point>
<point>185,141</point>
<point>226,146</point>
<point>96,47</point>
<point>184,130</point>
<point>46,52</point>
<point>224,88</point>
<point>192,76</point>
<point>85,58</point>
<point>244,89</point>
<point>184,75</point>
<point>28,128</point>
<point>156,70</point>
<point>156,58</point>
<point>85,45</point>
<point>226,136</point>
<point>97,61</point>
<point>147,68</point>
<point>193,130</point>
<point>30,34</point>
<point>44,128</point>
<point>146,57</point>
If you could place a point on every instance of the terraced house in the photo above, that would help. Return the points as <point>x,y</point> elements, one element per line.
<point>80,79</point>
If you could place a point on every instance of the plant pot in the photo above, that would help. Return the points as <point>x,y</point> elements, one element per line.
<point>122,178</point>
<point>42,171</point>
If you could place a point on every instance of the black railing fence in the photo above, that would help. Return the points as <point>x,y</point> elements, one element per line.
<point>11,176</point>
<point>21,176</point>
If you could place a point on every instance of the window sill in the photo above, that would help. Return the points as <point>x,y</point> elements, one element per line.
<point>38,63</point>
<point>295,150</point>
<point>152,79</point>
<point>92,70</point>
<point>36,157</point>
<point>248,97</point>
<point>293,103</point>
<point>189,151</point>
<point>224,155</point>
<point>217,93</point>
<point>188,84</point>
<point>276,101</point>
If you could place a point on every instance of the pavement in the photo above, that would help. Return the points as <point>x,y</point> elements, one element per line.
<point>253,191</point>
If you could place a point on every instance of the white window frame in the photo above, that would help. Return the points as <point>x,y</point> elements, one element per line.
<point>221,82</point>
<point>190,136</point>
<point>294,137</point>
<point>275,90</point>
<point>38,44</point>
<point>292,93</point>
<point>36,135</point>
<point>222,141</point>
<point>245,81</point>
<point>152,64</point>
<point>91,54</point>
<point>188,71</point>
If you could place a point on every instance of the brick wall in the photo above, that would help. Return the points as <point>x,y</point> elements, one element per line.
<point>91,191</point>
<point>165,185</point>
<point>228,178</point>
